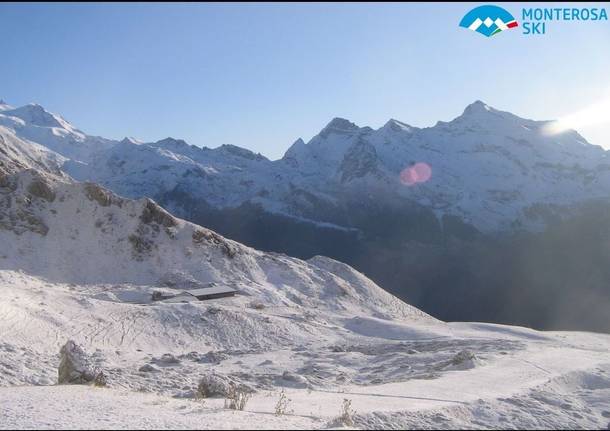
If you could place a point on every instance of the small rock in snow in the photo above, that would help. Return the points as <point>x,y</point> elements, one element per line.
<point>168,359</point>
<point>213,386</point>
<point>147,368</point>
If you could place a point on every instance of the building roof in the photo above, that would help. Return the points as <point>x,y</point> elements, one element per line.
<point>195,294</point>
<point>211,290</point>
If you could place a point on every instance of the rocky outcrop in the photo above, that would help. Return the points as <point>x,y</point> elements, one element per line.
<point>214,386</point>
<point>359,161</point>
<point>74,367</point>
<point>153,213</point>
<point>211,237</point>
<point>40,189</point>
<point>99,195</point>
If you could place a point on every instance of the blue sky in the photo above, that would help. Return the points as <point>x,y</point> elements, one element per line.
<point>262,75</point>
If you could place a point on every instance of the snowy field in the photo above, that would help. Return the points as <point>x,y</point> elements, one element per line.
<point>397,373</point>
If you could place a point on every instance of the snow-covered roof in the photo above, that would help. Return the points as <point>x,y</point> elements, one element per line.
<point>216,290</point>
<point>194,294</point>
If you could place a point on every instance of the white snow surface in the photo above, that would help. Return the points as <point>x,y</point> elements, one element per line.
<point>17,154</point>
<point>398,372</point>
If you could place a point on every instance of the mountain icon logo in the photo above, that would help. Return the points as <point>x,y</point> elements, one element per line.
<point>489,20</point>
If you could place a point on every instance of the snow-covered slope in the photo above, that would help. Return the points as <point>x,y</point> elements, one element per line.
<point>17,154</point>
<point>34,123</point>
<point>82,233</point>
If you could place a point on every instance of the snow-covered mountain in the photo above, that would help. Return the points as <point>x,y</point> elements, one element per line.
<point>486,166</point>
<point>34,123</point>
<point>492,169</point>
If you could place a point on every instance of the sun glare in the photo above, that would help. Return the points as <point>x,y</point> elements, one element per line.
<point>595,114</point>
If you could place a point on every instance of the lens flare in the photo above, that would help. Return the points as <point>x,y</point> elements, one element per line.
<point>597,113</point>
<point>418,173</point>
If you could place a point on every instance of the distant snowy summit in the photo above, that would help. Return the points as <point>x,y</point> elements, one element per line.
<point>491,169</point>
<point>34,123</point>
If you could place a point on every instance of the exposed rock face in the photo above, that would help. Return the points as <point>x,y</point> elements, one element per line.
<point>359,161</point>
<point>153,213</point>
<point>74,365</point>
<point>99,194</point>
<point>210,237</point>
<point>41,189</point>
<point>142,247</point>
<point>18,209</point>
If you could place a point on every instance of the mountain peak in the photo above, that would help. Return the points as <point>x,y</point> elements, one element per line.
<point>398,126</point>
<point>481,113</point>
<point>340,125</point>
<point>297,147</point>
<point>35,106</point>
<point>171,142</point>
<point>477,107</point>
<point>130,140</point>
<point>36,115</point>
<point>36,109</point>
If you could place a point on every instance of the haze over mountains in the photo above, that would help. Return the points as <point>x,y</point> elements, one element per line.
<point>485,217</point>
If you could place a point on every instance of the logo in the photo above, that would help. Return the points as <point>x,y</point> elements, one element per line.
<point>488,20</point>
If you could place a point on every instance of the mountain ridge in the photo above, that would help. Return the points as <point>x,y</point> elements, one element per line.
<point>519,164</point>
